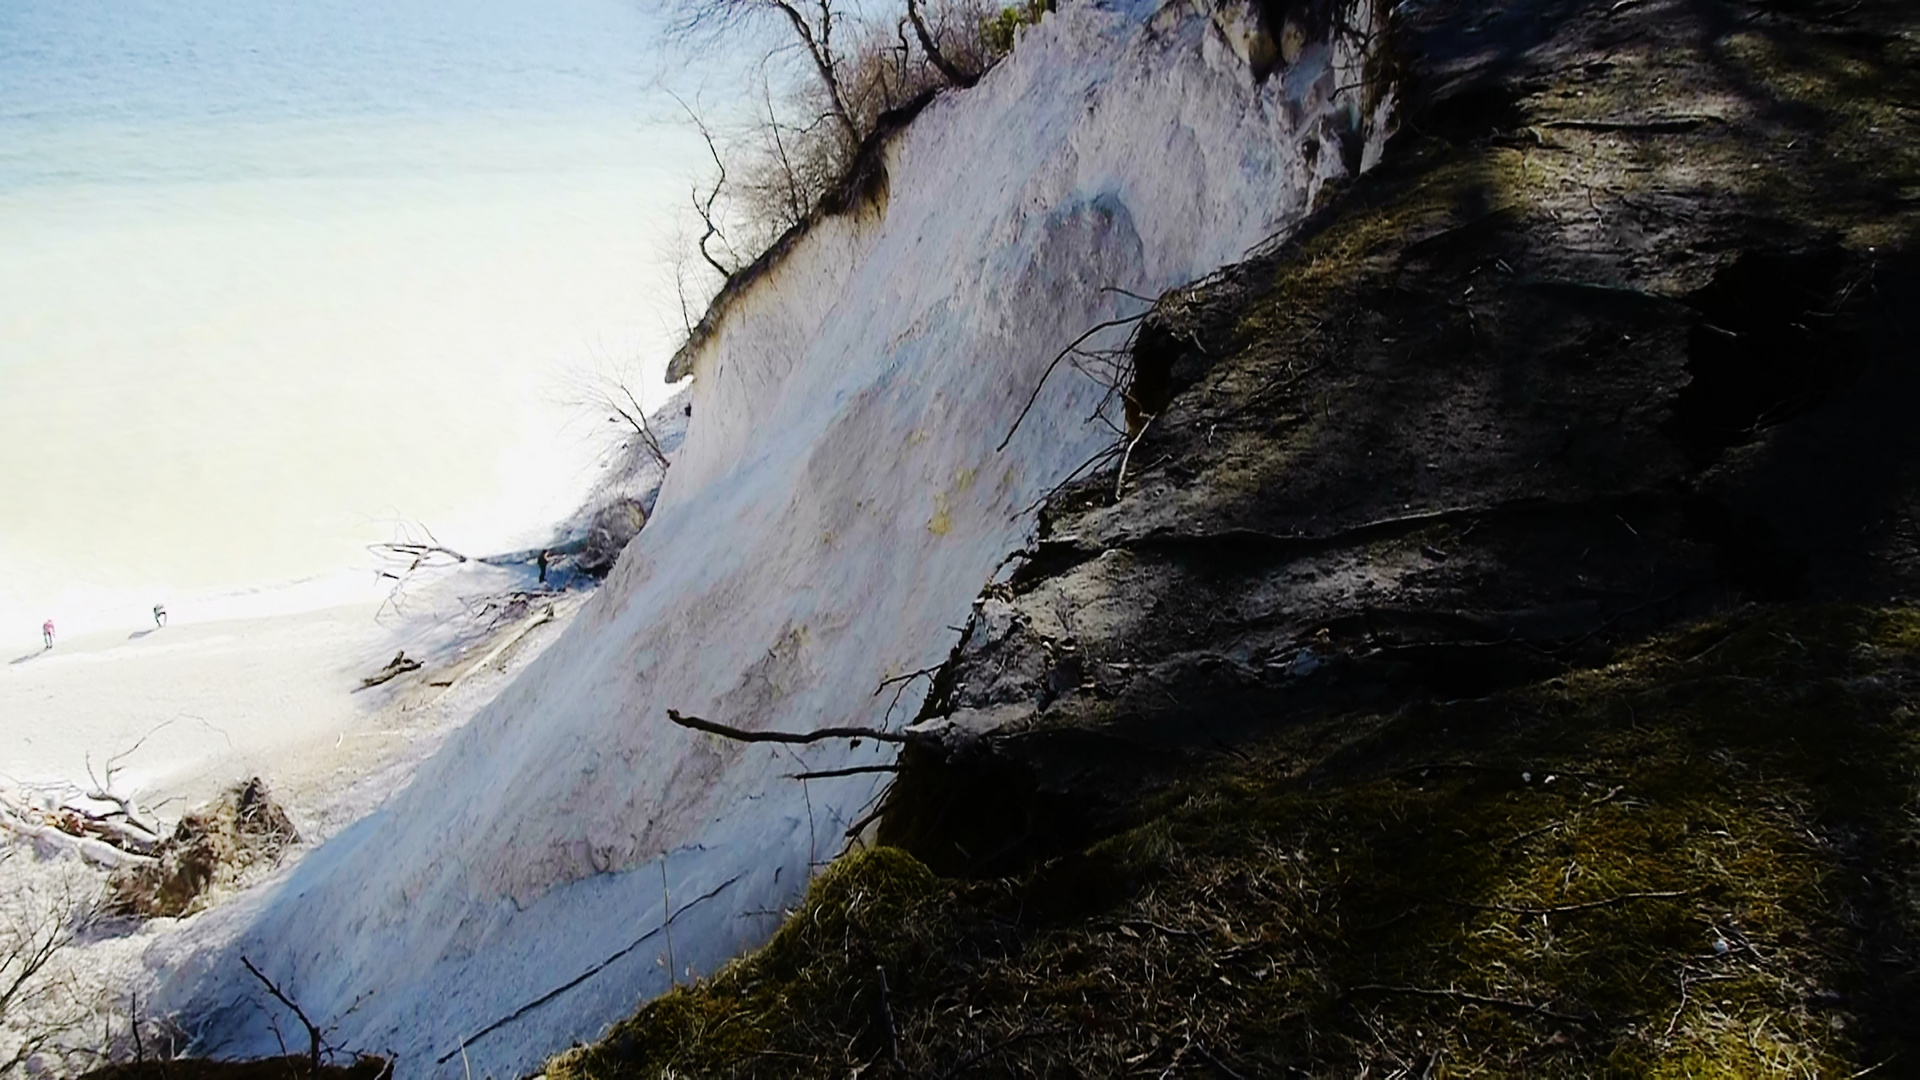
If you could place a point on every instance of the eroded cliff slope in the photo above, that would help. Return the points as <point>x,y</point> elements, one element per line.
<point>840,497</point>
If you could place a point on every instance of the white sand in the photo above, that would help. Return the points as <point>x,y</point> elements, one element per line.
<point>276,697</point>
<point>240,692</point>
<point>211,703</point>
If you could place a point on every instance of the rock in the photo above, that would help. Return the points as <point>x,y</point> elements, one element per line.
<point>612,527</point>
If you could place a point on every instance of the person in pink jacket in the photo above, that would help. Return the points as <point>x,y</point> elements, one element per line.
<point>46,632</point>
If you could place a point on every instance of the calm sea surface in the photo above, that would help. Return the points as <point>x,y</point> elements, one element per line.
<point>276,275</point>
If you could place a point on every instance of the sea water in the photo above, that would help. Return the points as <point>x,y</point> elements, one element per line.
<point>278,278</point>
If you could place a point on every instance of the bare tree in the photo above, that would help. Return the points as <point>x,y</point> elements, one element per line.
<point>955,74</point>
<point>703,205</point>
<point>793,198</point>
<point>813,23</point>
<point>863,59</point>
<point>612,394</point>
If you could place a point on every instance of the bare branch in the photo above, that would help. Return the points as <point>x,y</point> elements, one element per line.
<point>1072,347</point>
<point>704,206</point>
<point>817,735</point>
<point>953,73</point>
<point>852,770</point>
<point>313,1032</point>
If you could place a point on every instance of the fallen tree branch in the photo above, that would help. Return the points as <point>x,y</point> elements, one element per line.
<point>396,667</point>
<point>92,849</point>
<point>819,735</point>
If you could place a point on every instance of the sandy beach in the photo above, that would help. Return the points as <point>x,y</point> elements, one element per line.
<point>190,708</point>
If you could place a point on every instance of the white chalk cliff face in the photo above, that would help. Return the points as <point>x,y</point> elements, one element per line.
<point>836,507</point>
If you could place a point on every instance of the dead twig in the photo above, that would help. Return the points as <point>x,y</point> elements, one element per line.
<point>666,905</point>
<point>1686,984</point>
<point>985,1052</point>
<point>396,667</point>
<point>900,684</point>
<point>1120,482</point>
<point>866,819</point>
<point>1097,459</point>
<point>1653,124</point>
<point>1216,1062</point>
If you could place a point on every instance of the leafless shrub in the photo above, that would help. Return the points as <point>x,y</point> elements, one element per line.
<point>854,65</point>
<point>44,1000</point>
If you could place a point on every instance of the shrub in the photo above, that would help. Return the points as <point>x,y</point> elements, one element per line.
<point>998,32</point>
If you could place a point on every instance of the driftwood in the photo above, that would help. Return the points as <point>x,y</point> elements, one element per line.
<point>396,667</point>
<point>415,554</point>
<point>94,850</point>
<point>50,822</point>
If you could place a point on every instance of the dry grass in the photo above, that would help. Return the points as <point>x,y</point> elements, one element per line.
<point>1696,861</point>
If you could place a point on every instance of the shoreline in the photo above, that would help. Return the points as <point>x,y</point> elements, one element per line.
<point>180,713</point>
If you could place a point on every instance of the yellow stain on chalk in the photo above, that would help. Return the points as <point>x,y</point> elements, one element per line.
<point>942,521</point>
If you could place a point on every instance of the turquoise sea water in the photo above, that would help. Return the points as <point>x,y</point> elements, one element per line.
<point>275,276</point>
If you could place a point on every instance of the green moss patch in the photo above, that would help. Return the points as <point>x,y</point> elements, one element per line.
<point>1697,860</point>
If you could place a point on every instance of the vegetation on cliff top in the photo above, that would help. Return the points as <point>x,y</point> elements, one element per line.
<point>1693,861</point>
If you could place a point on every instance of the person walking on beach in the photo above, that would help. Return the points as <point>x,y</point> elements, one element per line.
<point>159,616</point>
<point>46,632</point>
<point>543,567</point>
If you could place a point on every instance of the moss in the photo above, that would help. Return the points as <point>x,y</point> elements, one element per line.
<point>1695,860</point>
<point>864,912</point>
<point>1434,189</point>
